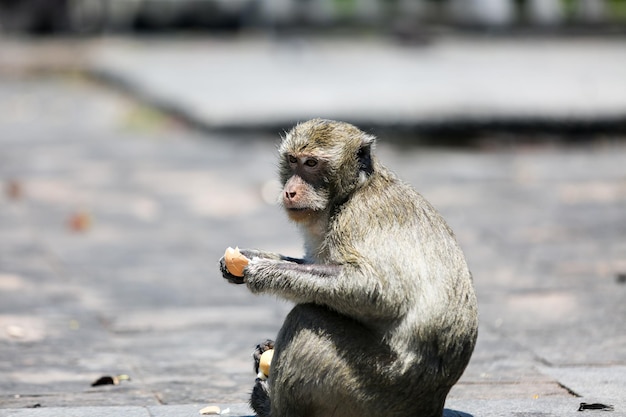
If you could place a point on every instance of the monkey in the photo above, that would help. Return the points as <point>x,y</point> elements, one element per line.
<point>385,317</point>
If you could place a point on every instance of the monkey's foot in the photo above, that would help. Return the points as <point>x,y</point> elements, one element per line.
<point>260,399</point>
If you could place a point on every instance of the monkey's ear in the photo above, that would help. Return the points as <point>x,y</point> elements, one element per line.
<point>365,158</point>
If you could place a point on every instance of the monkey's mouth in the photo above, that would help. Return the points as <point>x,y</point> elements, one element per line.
<point>299,214</point>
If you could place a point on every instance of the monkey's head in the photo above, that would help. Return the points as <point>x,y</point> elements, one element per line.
<point>322,162</point>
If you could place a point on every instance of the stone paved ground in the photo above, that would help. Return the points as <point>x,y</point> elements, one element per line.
<point>113,216</point>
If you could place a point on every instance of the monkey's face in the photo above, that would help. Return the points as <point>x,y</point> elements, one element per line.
<point>305,192</point>
<point>322,163</point>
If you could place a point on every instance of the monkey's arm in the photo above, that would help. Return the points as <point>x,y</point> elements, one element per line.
<point>345,288</point>
<point>255,254</point>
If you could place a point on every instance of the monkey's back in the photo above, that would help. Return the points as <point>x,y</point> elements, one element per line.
<point>418,259</point>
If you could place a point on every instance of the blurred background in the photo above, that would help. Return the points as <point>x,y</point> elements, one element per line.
<point>138,140</point>
<point>403,17</point>
<point>448,66</point>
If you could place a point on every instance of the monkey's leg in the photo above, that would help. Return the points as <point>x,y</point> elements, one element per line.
<point>260,400</point>
<point>324,366</point>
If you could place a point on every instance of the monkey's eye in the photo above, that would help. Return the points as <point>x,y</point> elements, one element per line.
<point>292,159</point>
<point>310,162</point>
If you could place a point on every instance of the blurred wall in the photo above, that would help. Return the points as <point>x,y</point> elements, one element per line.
<point>95,16</point>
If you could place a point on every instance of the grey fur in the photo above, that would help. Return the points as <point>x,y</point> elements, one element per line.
<point>386,318</point>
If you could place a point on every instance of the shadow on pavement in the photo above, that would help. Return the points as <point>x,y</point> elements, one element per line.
<point>454,413</point>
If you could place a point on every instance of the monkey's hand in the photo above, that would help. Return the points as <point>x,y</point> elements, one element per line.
<point>246,254</point>
<point>233,279</point>
<point>250,254</point>
<point>233,264</point>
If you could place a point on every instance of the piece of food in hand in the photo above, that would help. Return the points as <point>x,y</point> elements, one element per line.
<point>235,261</point>
<point>265,361</point>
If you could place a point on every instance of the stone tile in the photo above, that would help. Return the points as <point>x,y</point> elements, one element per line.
<point>227,409</point>
<point>603,384</point>
<point>539,407</point>
<point>78,412</point>
<point>550,323</point>
<point>501,368</point>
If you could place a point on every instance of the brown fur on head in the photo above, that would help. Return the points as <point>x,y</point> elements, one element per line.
<point>342,151</point>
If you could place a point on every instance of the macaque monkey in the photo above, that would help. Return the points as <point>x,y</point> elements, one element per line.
<point>385,317</point>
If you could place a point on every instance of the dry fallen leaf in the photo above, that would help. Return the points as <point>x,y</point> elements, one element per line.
<point>110,380</point>
<point>13,190</point>
<point>79,221</point>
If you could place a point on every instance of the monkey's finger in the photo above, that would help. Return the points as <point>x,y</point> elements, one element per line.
<point>235,280</point>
